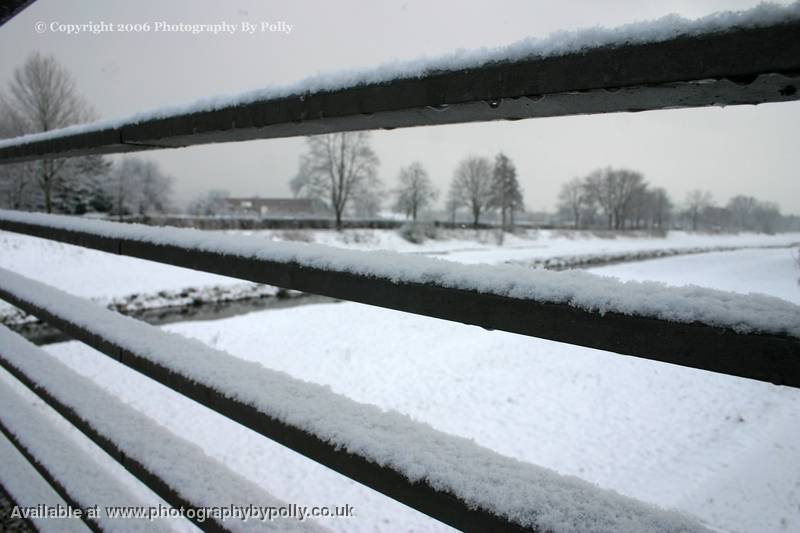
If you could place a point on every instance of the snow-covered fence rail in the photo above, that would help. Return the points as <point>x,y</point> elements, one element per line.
<point>756,337</point>
<point>748,58</point>
<point>166,463</point>
<point>449,478</point>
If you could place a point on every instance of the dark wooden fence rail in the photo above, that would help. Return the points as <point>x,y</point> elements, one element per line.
<point>421,496</point>
<point>741,66</point>
<point>760,356</point>
<point>51,480</point>
<point>744,66</point>
<point>137,469</point>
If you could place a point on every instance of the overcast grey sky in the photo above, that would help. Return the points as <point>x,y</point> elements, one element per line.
<point>746,149</point>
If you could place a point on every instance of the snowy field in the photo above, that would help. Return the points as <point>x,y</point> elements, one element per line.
<point>773,272</point>
<point>724,449</point>
<point>486,246</point>
<point>92,274</point>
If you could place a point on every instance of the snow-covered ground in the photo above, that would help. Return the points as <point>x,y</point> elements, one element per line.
<point>487,246</point>
<point>724,449</point>
<point>92,274</point>
<point>774,272</point>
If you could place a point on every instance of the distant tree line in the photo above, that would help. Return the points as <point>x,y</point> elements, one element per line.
<point>42,96</point>
<point>622,199</point>
<point>615,199</point>
<point>340,171</point>
<point>741,213</point>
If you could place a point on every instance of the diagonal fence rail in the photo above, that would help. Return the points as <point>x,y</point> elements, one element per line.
<point>21,484</point>
<point>46,474</point>
<point>739,66</point>
<point>165,463</point>
<point>449,478</point>
<point>758,354</point>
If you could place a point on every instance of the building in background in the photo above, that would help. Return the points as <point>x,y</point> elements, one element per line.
<point>271,207</point>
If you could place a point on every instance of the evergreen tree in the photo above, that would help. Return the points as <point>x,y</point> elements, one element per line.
<point>506,191</point>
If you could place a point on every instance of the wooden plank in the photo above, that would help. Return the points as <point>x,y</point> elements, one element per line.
<point>758,356</point>
<point>419,495</point>
<point>741,66</point>
<point>51,480</point>
<point>147,476</point>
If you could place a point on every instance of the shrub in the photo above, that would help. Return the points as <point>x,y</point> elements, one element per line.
<point>418,232</point>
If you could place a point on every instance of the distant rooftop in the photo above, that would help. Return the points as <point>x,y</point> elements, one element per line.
<point>263,206</point>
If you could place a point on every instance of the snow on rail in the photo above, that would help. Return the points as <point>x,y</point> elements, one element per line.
<point>86,481</point>
<point>201,479</point>
<point>557,44</point>
<point>741,313</point>
<point>28,489</point>
<point>527,494</point>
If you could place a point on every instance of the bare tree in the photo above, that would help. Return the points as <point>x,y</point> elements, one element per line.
<point>742,211</point>
<point>367,201</point>
<point>573,198</point>
<point>83,187</point>
<point>599,188</point>
<point>415,191</point>
<point>767,217</point>
<point>506,191</point>
<point>209,204</point>
<point>615,191</point>
<point>697,202</point>
<point>122,189</point>
<point>15,185</point>
<point>42,96</point>
<point>631,195</point>
<point>659,207</point>
<point>452,205</point>
<point>336,168</point>
<point>138,186</point>
<point>472,185</point>
<point>637,212</point>
<point>156,188</point>
<point>16,179</point>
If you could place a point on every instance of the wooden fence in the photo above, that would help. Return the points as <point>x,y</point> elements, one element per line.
<point>741,66</point>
